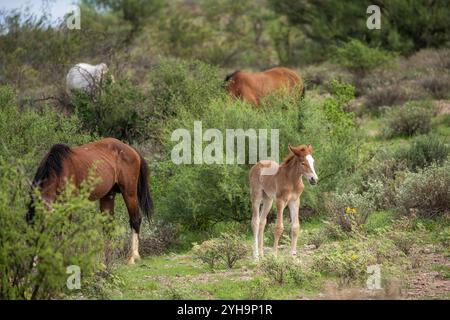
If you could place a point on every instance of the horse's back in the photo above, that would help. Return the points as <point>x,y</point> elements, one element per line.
<point>253,86</point>
<point>115,163</point>
<point>284,76</point>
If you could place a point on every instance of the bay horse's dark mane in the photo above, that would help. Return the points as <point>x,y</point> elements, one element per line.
<point>231,75</point>
<point>52,163</point>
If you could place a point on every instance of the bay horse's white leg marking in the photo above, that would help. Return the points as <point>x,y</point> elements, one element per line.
<point>281,204</point>
<point>134,248</point>
<point>267,206</point>
<point>295,224</point>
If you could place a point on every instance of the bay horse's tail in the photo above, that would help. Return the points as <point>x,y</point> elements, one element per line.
<point>144,197</point>
<point>302,96</point>
<point>52,164</point>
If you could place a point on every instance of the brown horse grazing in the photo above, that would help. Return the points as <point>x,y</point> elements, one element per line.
<point>120,169</point>
<point>253,86</point>
<point>282,183</point>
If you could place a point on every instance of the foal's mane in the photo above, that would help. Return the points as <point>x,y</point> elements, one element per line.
<point>52,163</point>
<point>288,159</point>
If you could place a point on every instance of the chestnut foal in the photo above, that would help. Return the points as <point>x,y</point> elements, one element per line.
<point>270,181</point>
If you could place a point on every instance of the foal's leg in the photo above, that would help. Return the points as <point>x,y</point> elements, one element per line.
<point>267,205</point>
<point>295,224</point>
<point>131,201</point>
<point>281,204</point>
<point>256,203</point>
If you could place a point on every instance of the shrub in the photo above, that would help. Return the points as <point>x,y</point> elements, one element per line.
<point>275,268</point>
<point>157,239</point>
<point>423,151</point>
<point>348,260</point>
<point>32,132</point>
<point>232,248</point>
<point>350,210</point>
<point>316,237</point>
<point>359,57</point>
<point>438,85</point>
<point>385,96</point>
<point>408,120</point>
<point>227,248</point>
<point>404,241</point>
<point>426,192</point>
<point>121,110</point>
<point>207,252</point>
<point>258,289</point>
<point>178,85</point>
<point>301,276</point>
<point>34,257</point>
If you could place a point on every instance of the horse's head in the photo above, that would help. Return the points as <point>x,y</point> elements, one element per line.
<point>306,162</point>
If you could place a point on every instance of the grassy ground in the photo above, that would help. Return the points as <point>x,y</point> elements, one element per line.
<point>425,274</point>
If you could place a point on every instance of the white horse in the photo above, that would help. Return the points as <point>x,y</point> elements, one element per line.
<point>86,77</point>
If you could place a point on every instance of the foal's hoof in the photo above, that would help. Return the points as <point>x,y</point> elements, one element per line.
<point>132,260</point>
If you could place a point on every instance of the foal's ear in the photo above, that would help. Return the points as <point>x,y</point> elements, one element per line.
<point>293,150</point>
<point>310,148</point>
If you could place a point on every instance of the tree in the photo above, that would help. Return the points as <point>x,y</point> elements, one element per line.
<point>333,21</point>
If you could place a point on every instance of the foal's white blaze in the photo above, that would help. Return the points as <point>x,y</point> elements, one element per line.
<point>310,160</point>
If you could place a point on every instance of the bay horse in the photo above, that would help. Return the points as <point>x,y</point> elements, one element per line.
<point>283,183</point>
<point>253,86</point>
<point>120,169</point>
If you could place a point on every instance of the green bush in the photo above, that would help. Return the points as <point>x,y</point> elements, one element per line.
<point>183,85</point>
<point>31,133</point>
<point>120,110</point>
<point>207,252</point>
<point>350,210</point>
<point>425,193</point>
<point>408,120</point>
<point>437,84</point>
<point>348,260</point>
<point>227,249</point>
<point>359,57</point>
<point>423,151</point>
<point>258,289</point>
<point>34,257</point>
<point>275,268</point>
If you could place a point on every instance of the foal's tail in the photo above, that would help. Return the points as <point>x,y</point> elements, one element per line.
<point>144,197</point>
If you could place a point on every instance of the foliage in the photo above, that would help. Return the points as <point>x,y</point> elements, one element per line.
<point>120,111</point>
<point>330,22</point>
<point>33,258</point>
<point>423,151</point>
<point>207,252</point>
<point>350,210</point>
<point>32,132</point>
<point>348,261</point>
<point>227,249</point>
<point>258,289</point>
<point>408,120</point>
<point>426,192</point>
<point>359,57</point>
<point>275,268</point>
<point>183,85</point>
